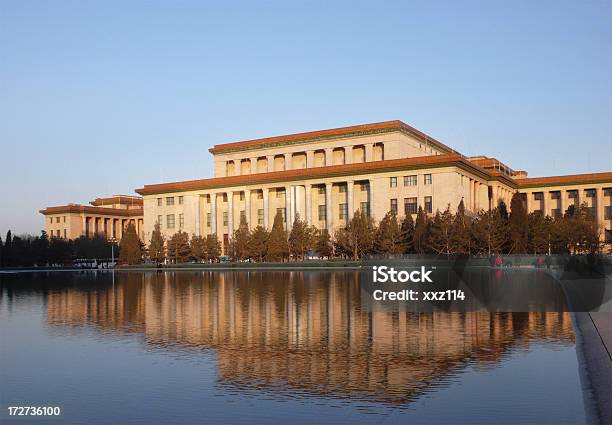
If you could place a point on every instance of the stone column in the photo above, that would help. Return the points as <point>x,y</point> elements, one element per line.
<point>230,213</point>
<point>563,201</point>
<point>237,167</point>
<point>84,226</point>
<point>253,165</point>
<point>599,208</point>
<point>288,208</point>
<point>329,156</point>
<point>581,197</point>
<point>288,161</point>
<point>349,199</point>
<point>371,198</point>
<point>196,207</point>
<point>369,152</point>
<point>348,154</point>
<point>266,217</point>
<point>310,162</point>
<point>546,203</point>
<point>328,207</point>
<point>528,197</point>
<point>213,214</point>
<point>270,163</point>
<point>247,207</point>
<point>308,202</point>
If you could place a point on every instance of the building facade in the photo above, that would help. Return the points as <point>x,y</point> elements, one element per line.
<point>106,217</point>
<point>325,176</point>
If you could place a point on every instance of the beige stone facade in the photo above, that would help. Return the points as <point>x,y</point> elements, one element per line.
<point>324,176</point>
<point>107,217</point>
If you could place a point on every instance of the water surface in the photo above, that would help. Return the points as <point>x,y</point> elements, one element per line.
<point>273,347</point>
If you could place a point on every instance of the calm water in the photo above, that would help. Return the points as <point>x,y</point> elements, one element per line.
<point>272,347</point>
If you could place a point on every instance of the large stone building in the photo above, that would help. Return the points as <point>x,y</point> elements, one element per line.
<point>107,217</point>
<point>324,176</point>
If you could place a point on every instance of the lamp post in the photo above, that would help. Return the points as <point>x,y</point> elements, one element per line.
<point>113,241</point>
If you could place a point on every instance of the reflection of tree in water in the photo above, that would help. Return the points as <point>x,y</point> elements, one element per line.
<point>304,332</point>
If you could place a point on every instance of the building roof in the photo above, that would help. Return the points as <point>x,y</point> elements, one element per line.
<point>86,209</point>
<point>118,199</point>
<point>573,179</point>
<point>434,161</point>
<point>330,134</point>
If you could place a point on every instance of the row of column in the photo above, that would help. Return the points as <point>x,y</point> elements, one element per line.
<point>290,206</point>
<point>104,226</point>
<point>310,158</point>
<point>564,201</point>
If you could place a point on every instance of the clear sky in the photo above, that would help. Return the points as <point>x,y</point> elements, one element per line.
<point>98,98</point>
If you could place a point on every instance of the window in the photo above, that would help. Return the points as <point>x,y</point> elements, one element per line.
<point>65,234</point>
<point>572,194</point>
<point>607,192</point>
<point>364,187</point>
<point>225,219</point>
<point>208,219</point>
<point>281,211</point>
<point>57,219</point>
<point>243,216</point>
<point>343,212</point>
<point>280,193</point>
<point>208,199</point>
<point>393,206</point>
<point>555,213</point>
<point>410,206</point>
<point>607,213</point>
<point>555,195</point>
<point>321,190</point>
<point>225,197</point>
<point>608,236</point>
<point>181,221</point>
<point>427,178</point>
<point>428,204</point>
<point>170,200</point>
<point>64,219</point>
<point>260,194</point>
<point>159,202</point>
<point>322,213</point>
<point>392,181</point>
<point>242,196</point>
<point>342,188</point>
<point>170,221</point>
<point>590,193</point>
<point>365,207</point>
<point>410,180</point>
<point>538,196</point>
<point>51,220</point>
<point>180,200</point>
<point>260,216</point>
<point>159,219</point>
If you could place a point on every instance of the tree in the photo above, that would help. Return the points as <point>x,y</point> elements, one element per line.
<point>178,247</point>
<point>40,247</point>
<point>323,243</point>
<point>461,232</point>
<point>59,251</point>
<point>490,231</point>
<point>440,236</point>
<point>197,248</point>
<point>213,247</point>
<point>239,243</point>
<point>407,229</point>
<point>539,232</point>
<point>300,238</point>
<point>258,243</point>
<point>357,238</point>
<point>420,235</point>
<point>6,250</point>
<point>157,252</point>
<point>580,231</point>
<point>389,236</point>
<point>278,247</point>
<point>129,247</point>
<point>518,225</point>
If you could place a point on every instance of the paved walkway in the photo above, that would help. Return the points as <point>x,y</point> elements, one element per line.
<point>603,325</point>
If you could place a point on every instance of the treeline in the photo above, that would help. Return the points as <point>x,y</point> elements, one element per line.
<point>493,232</point>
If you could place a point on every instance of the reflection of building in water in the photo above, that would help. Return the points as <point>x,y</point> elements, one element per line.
<point>305,332</point>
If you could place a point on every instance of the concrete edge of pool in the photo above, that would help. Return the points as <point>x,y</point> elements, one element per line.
<point>593,343</point>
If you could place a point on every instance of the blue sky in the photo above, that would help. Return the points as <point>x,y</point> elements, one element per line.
<point>98,98</point>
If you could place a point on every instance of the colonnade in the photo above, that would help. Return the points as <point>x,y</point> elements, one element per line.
<point>110,227</point>
<point>556,201</point>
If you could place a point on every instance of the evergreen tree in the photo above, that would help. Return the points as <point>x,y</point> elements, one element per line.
<point>7,249</point>
<point>420,236</point>
<point>197,248</point>
<point>518,225</point>
<point>357,238</point>
<point>1,249</point>
<point>300,238</point>
<point>539,232</point>
<point>239,243</point>
<point>461,232</point>
<point>213,248</point>
<point>178,247</point>
<point>440,234</point>
<point>129,247</point>
<point>323,243</point>
<point>490,232</point>
<point>41,249</point>
<point>59,252</point>
<point>278,247</point>
<point>157,251</point>
<point>389,236</point>
<point>258,243</point>
<point>407,229</point>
